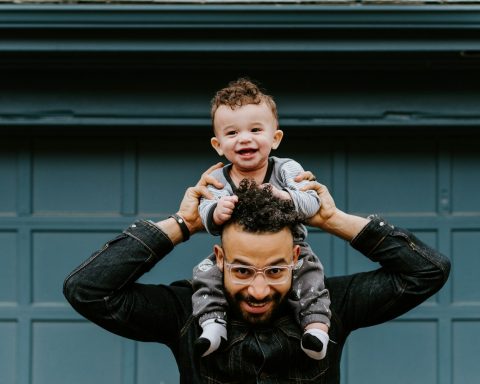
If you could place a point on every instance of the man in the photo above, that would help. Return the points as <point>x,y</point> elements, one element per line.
<point>256,259</point>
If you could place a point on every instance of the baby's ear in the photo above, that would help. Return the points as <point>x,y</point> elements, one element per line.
<point>216,145</point>
<point>277,138</point>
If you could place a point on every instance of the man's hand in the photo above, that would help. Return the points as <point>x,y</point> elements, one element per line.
<point>327,206</point>
<point>223,210</point>
<point>331,219</point>
<point>189,206</point>
<point>305,175</point>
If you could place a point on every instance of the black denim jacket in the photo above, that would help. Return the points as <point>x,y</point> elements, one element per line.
<point>104,290</point>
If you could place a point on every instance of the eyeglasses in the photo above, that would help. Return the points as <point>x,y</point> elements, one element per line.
<point>245,274</point>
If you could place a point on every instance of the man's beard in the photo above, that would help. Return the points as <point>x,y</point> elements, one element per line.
<point>255,319</point>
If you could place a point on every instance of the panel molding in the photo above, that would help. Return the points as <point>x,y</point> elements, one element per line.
<point>74,16</point>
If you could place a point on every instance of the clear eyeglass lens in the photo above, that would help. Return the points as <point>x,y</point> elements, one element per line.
<point>246,274</point>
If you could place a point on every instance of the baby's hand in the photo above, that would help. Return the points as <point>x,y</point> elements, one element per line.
<point>223,210</point>
<point>278,193</point>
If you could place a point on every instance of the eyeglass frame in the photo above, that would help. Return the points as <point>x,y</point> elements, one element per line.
<point>261,271</point>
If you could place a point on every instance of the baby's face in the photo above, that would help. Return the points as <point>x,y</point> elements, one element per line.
<point>246,135</point>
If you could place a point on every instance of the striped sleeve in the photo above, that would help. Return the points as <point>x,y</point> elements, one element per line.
<point>207,207</point>
<point>306,202</point>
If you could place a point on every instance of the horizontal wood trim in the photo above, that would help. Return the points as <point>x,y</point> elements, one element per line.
<point>229,16</point>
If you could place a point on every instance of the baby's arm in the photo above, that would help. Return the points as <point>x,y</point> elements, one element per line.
<point>216,212</point>
<point>223,210</point>
<point>207,209</point>
<point>305,202</point>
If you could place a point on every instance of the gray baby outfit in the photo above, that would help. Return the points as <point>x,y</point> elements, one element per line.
<point>308,298</point>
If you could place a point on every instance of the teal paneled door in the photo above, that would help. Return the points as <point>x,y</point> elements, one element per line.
<point>61,198</point>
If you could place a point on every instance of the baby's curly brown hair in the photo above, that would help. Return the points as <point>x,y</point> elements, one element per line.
<point>257,210</point>
<point>240,92</point>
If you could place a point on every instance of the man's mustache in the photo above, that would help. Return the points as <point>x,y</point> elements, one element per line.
<point>252,300</point>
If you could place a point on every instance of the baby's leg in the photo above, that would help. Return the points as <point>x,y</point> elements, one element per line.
<point>315,340</point>
<point>311,303</point>
<point>209,306</point>
<point>214,335</point>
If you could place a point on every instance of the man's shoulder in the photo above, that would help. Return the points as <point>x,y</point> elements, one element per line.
<point>187,284</point>
<point>181,291</point>
<point>339,288</point>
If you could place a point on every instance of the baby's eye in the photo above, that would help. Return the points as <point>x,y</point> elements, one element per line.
<point>256,130</point>
<point>230,133</point>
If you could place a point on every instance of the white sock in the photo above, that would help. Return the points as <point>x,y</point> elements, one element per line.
<point>213,331</point>
<point>321,336</point>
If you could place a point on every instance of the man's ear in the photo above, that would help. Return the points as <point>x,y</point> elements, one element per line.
<point>296,253</point>
<point>277,138</point>
<point>218,250</point>
<point>216,145</point>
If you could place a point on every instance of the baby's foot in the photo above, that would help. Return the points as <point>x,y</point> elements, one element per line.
<point>214,335</point>
<point>314,343</point>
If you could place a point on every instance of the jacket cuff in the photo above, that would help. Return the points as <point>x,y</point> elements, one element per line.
<point>151,237</point>
<point>371,235</point>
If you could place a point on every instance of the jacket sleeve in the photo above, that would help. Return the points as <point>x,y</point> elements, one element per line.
<point>103,288</point>
<point>410,272</point>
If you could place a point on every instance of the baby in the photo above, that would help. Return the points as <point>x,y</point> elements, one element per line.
<point>246,130</point>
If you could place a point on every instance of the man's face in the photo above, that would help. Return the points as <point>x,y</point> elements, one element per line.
<point>257,301</point>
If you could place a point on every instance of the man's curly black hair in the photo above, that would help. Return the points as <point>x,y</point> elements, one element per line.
<point>257,210</point>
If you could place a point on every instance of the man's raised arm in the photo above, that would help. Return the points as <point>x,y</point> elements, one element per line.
<point>104,290</point>
<point>411,271</point>
<point>331,219</point>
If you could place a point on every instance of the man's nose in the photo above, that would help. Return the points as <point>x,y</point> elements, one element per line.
<point>259,288</point>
